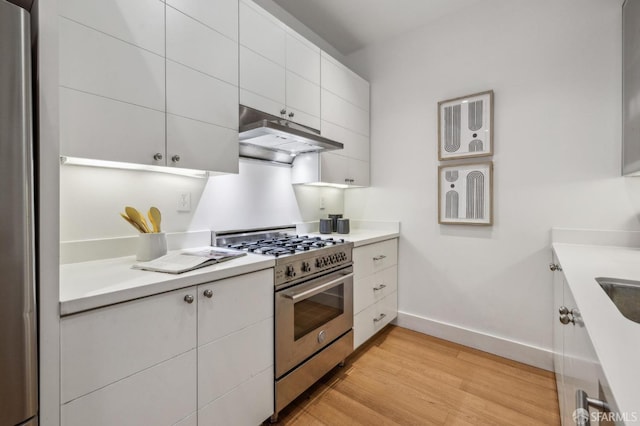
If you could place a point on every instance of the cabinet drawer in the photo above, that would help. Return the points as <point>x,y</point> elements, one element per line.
<point>371,320</point>
<point>161,395</point>
<point>234,359</point>
<point>102,346</point>
<point>374,257</point>
<point>249,404</point>
<point>369,290</point>
<point>237,303</point>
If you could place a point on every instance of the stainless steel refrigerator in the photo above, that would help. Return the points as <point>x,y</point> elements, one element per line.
<point>18,333</point>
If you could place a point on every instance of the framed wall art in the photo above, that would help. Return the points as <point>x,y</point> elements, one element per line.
<point>465,126</point>
<point>465,195</point>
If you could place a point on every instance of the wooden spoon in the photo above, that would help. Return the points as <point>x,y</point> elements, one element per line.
<point>136,217</point>
<point>132,223</point>
<point>155,218</point>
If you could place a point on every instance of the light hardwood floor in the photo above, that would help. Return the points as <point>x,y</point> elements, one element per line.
<point>402,377</point>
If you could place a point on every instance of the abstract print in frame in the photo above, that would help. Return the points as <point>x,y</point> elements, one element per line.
<point>465,126</point>
<point>465,194</point>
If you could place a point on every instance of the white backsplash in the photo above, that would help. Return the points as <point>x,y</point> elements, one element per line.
<point>261,195</point>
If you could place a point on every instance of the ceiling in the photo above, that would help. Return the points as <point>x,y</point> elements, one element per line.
<point>349,25</point>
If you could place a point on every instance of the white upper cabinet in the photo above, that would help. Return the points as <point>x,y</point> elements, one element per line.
<point>279,69</point>
<point>150,82</point>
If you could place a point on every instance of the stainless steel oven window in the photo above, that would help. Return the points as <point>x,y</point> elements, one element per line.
<point>319,309</point>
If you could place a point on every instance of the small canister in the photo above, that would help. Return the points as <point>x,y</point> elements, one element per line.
<point>343,226</point>
<point>325,226</point>
<point>334,221</point>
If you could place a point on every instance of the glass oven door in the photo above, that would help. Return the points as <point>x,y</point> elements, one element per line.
<point>311,315</point>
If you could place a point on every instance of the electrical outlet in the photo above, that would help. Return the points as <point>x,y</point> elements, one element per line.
<point>184,202</point>
<point>321,203</point>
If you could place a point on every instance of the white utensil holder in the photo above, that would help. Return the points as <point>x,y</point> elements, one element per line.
<point>151,246</point>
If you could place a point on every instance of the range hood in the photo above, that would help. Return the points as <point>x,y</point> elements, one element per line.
<point>267,137</point>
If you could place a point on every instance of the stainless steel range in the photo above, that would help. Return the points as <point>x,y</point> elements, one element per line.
<point>313,304</point>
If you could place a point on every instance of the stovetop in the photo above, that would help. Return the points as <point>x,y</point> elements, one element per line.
<point>285,245</point>
<point>298,257</point>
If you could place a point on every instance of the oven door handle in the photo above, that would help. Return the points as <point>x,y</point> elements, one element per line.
<point>295,296</point>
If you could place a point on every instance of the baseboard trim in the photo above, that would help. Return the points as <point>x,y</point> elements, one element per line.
<point>517,351</point>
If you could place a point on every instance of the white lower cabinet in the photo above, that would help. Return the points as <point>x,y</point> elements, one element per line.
<point>375,285</point>
<point>187,357</point>
<point>161,395</point>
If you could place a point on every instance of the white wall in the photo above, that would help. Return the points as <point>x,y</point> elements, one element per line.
<point>261,195</point>
<point>555,68</point>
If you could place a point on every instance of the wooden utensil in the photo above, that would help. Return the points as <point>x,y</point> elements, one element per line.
<point>155,218</point>
<point>132,223</point>
<point>136,217</point>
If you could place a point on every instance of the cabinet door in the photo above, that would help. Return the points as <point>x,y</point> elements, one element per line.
<point>262,33</point>
<point>161,395</point>
<point>234,359</point>
<point>358,172</point>
<point>140,22</point>
<point>220,15</point>
<point>355,145</point>
<point>236,303</point>
<point>341,81</point>
<point>262,82</point>
<point>338,111</point>
<point>302,101</point>
<point>333,168</point>
<point>248,404</point>
<point>191,43</point>
<point>93,62</point>
<point>581,367</point>
<point>100,128</point>
<point>558,337</point>
<point>105,345</point>
<point>302,57</point>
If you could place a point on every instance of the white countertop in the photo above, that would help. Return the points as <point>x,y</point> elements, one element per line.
<point>615,338</point>
<point>89,285</point>
<point>360,237</point>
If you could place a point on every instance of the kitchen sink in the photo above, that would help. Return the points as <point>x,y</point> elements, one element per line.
<point>625,294</point>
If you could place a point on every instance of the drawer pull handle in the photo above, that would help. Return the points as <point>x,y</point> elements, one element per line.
<point>379,318</point>
<point>382,256</point>
<point>380,287</point>
<point>208,293</point>
<point>188,298</point>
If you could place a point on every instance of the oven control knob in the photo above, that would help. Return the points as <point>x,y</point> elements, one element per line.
<point>318,263</point>
<point>306,267</point>
<point>290,272</point>
<point>322,336</point>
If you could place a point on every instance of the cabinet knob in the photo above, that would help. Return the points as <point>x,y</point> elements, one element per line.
<point>555,267</point>
<point>283,111</point>
<point>566,319</point>
<point>188,298</point>
<point>208,293</point>
<point>380,287</point>
<point>175,158</point>
<point>157,156</point>
<point>382,256</point>
<point>291,115</point>
<point>563,310</point>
